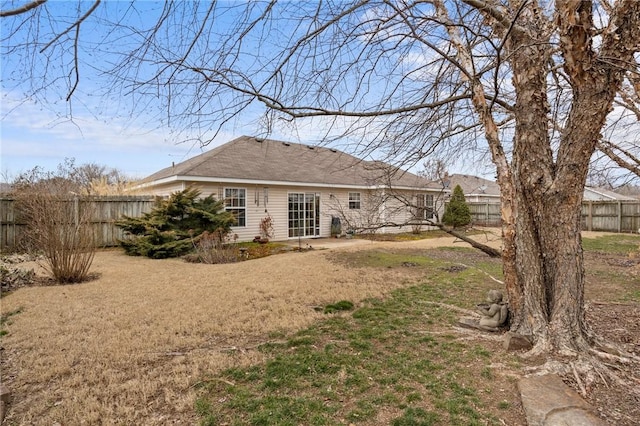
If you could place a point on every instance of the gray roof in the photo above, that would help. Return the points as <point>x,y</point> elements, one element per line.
<point>606,194</point>
<point>477,186</point>
<point>256,159</point>
<point>473,185</point>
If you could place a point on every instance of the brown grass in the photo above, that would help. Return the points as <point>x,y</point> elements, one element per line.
<point>128,347</point>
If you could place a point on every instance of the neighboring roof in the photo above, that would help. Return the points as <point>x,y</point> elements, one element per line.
<point>605,194</point>
<point>477,186</point>
<point>266,160</point>
<point>472,185</point>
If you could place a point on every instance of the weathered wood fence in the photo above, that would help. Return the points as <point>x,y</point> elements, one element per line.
<point>607,216</point>
<point>106,210</point>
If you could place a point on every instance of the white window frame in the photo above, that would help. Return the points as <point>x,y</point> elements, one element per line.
<point>355,201</point>
<point>304,214</point>
<point>235,201</point>
<point>425,207</point>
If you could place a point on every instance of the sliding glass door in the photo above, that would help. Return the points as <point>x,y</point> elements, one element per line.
<point>304,214</point>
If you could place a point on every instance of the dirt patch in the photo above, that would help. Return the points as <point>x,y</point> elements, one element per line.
<point>618,323</point>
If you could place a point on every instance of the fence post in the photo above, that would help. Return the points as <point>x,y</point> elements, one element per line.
<point>619,216</point>
<point>590,216</point>
<point>486,216</point>
<point>76,210</point>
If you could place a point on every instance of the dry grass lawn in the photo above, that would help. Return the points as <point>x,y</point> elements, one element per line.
<point>132,346</point>
<point>128,347</point>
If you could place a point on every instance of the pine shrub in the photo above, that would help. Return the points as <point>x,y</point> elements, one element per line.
<point>457,212</point>
<point>175,225</point>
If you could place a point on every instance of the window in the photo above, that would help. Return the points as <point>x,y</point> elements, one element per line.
<point>235,201</point>
<point>354,201</point>
<point>425,207</point>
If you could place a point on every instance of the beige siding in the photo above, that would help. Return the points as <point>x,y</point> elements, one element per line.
<point>276,206</point>
<point>375,208</point>
<point>164,190</point>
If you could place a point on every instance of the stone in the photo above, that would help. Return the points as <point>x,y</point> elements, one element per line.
<point>516,342</point>
<point>547,401</point>
<point>474,324</point>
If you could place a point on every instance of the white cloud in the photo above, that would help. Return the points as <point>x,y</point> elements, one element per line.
<point>33,135</point>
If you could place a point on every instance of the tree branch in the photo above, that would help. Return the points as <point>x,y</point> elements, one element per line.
<point>482,247</point>
<point>75,24</point>
<point>607,148</point>
<point>575,19</point>
<point>27,7</point>
<point>309,111</point>
<point>499,15</point>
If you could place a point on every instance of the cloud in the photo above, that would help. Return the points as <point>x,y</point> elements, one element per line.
<point>34,135</point>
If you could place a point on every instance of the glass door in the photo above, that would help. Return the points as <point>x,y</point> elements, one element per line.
<point>304,214</point>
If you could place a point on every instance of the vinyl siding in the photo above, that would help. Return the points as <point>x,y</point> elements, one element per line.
<point>333,202</point>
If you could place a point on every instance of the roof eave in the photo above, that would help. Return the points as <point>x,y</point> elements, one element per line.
<point>207,179</point>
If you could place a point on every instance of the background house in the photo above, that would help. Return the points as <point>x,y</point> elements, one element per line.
<point>602,209</point>
<point>479,190</point>
<point>600,194</point>
<point>302,188</point>
<point>475,189</point>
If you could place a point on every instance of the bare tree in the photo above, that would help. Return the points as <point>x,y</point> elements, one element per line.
<point>58,222</point>
<point>534,84</point>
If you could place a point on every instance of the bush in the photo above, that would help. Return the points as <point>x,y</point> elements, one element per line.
<point>58,222</point>
<point>457,212</point>
<point>215,247</point>
<point>174,225</point>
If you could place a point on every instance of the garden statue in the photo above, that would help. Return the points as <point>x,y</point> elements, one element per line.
<point>494,314</point>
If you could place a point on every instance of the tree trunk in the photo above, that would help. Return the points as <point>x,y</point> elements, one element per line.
<point>548,191</point>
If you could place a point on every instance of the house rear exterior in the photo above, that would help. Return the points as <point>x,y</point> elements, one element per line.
<point>303,189</point>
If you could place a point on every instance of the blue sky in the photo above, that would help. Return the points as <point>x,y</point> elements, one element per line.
<point>44,129</point>
<point>34,136</point>
<point>40,128</point>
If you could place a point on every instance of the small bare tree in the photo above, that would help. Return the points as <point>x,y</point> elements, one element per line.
<point>58,223</point>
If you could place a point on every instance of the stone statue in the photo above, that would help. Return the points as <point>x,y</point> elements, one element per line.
<point>494,314</point>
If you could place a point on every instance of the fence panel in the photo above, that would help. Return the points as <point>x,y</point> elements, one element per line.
<point>606,216</point>
<point>106,211</point>
<point>485,214</point>
<point>612,216</point>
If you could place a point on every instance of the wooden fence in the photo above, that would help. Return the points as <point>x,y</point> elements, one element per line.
<point>485,214</point>
<point>106,210</point>
<point>607,216</point>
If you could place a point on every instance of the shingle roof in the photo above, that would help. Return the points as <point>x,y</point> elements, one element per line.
<point>250,158</point>
<point>608,194</point>
<point>474,185</point>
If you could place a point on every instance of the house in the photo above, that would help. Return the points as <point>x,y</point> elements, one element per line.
<point>306,191</point>
<point>475,189</point>
<point>601,194</point>
<point>479,190</point>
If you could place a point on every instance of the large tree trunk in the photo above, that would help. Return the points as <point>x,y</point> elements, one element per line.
<point>548,191</point>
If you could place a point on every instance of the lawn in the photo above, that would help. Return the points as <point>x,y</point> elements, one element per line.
<point>165,341</point>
